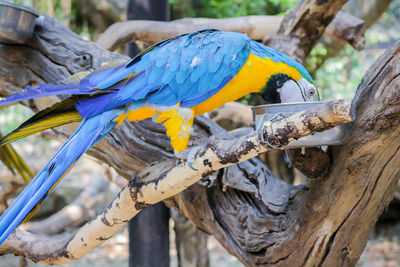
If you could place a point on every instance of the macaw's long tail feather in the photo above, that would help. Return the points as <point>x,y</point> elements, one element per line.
<point>90,131</point>
<point>68,86</point>
<point>59,114</point>
<point>41,90</point>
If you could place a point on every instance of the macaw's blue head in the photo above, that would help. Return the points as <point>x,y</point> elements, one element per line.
<point>287,80</point>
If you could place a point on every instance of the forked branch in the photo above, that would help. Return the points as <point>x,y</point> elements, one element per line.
<point>165,179</point>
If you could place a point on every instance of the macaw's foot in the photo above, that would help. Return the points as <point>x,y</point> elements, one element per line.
<point>189,155</point>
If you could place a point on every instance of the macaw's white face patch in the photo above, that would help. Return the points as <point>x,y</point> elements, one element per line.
<point>301,91</point>
<point>290,92</point>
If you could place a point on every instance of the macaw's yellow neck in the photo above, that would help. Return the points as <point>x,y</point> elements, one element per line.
<point>251,78</point>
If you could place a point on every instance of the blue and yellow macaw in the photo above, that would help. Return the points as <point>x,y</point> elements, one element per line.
<point>171,82</point>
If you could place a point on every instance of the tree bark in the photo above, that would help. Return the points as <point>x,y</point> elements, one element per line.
<point>191,243</point>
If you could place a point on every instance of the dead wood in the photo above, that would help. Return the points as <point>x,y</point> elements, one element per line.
<point>345,27</point>
<point>191,243</point>
<point>165,179</point>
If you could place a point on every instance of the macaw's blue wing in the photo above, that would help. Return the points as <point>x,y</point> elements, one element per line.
<point>186,69</point>
<point>89,132</point>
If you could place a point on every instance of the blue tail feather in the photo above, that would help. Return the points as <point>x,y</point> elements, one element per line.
<point>89,132</point>
<point>40,91</point>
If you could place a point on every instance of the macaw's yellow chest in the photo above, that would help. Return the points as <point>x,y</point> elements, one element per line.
<point>251,78</point>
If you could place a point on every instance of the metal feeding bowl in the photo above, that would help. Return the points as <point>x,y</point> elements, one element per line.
<point>266,113</point>
<point>16,23</point>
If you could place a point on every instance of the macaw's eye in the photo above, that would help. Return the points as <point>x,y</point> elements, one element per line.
<point>311,92</point>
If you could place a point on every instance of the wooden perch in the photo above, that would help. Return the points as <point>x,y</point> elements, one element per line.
<point>163,180</point>
<point>344,27</point>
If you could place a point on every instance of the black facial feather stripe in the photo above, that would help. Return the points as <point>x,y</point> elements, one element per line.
<point>270,92</point>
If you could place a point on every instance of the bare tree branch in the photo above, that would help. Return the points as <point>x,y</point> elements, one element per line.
<point>163,180</point>
<point>302,27</point>
<point>191,243</point>
<point>344,27</point>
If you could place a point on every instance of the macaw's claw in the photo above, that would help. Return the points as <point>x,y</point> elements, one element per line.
<point>189,155</point>
<point>191,166</point>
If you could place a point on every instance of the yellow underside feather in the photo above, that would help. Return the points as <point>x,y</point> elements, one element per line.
<point>178,127</point>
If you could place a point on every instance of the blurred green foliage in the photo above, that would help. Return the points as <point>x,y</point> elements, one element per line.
<point>229,8</point>
<point>11,117</point>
